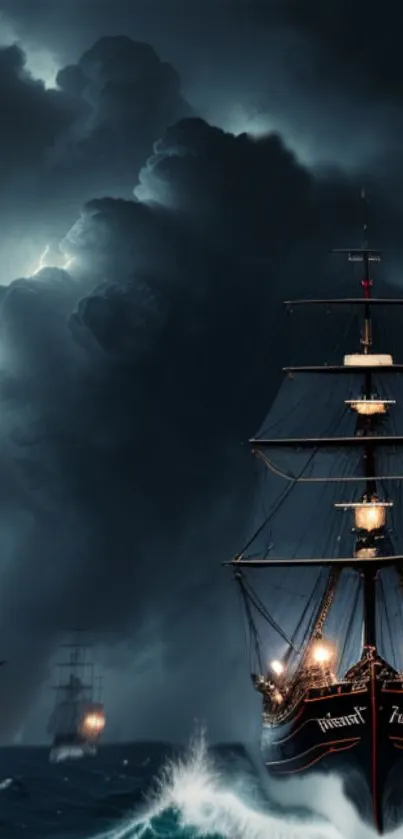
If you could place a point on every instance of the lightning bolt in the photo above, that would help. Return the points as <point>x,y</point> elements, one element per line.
<point>42,262</point>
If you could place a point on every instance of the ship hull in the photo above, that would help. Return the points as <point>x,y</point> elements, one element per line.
<point>357,734</point>
<point>71,747</point>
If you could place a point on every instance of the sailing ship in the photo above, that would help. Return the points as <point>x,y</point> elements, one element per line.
<point>321,712</point>
<point>78,718</point>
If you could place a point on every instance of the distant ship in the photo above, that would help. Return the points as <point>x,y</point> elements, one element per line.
<point>78,718</point>
<point>318,714</point>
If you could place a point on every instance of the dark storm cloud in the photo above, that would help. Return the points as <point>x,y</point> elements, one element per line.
<point>32,118</point>
<point>356,46</point>
<point>329,77</point>
<point>87,138</point>
<point>130,384</point>
<point>132,96</point>
<point>343,71</point>
<point>128,393</point>
<point>350,43</point>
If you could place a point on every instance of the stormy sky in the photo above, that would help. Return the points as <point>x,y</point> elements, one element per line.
<point>187,166</point>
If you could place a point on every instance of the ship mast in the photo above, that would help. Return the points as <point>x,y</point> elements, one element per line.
<point>79,667</point>
<point>369,511</point>
<point>364,426</point>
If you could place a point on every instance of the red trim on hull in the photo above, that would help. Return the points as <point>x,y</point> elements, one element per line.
<point>292,733</point>
<point>311,763</point>
<point>352,741</point>
<point>374,750</point>
<point>333,696</point>
<point>376,786</point>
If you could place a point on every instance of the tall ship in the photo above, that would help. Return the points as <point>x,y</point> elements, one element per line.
<point>78,718</point>
<point>322,590</point>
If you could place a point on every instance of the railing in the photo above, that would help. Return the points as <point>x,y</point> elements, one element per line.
<point>292,694</point>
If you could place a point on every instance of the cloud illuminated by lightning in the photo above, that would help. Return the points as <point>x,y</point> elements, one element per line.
<point>41,264</point>
<point>41,63</point>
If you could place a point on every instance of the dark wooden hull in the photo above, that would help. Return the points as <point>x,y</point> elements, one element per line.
<point>357,733</point>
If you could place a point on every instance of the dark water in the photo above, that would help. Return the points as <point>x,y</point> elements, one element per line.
<point>90,796</point>
<point>125,793</point>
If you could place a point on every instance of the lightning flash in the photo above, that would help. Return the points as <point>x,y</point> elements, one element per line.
<point>41,264</point>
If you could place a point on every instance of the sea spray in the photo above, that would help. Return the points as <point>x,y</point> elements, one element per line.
<point>191,798</point>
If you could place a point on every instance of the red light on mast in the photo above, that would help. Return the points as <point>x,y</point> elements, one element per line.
<point>366,284</point>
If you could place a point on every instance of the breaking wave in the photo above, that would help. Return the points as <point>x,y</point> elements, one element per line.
<point>193,799</point>
<point>221,792</point>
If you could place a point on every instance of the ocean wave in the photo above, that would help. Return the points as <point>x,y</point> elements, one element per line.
<point>193,799</point>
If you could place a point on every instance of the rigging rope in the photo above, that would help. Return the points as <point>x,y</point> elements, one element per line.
<point>251,624</point>
<point>353,615</point>
<point>388,623</point>
<point>250,597</point>
<point>308,606</point>
<point>280,501</point>
<point>323,610</point>
<point>259,606</point>
<point>299,480</point>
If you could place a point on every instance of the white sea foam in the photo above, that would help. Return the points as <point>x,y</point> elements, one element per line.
<point>206,804</point>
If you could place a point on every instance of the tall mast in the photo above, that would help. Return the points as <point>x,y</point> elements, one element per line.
<point>366,284</point>
<point>77,665</point>
<point>371,549</point>
<point>364,427</point>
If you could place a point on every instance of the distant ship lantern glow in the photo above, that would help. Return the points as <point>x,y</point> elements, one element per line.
<point>94,723</point>
<point>322,653</point>
<point>277,667</point>
<point>78,718</point>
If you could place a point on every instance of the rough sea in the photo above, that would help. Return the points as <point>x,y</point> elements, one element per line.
<point>154,791</point>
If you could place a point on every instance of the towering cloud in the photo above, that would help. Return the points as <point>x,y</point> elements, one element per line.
<point>131,96</point>
<point>128,389</point>
<point>89,137</point>
<point>129,384</point>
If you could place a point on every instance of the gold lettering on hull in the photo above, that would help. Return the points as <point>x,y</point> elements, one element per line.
<point>396,715</point>
<point>328,722</point>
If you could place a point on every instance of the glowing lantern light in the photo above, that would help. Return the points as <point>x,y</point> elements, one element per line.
<point>321,653</point>
<point>366,553</point>
<point>370,515</point>
<point>367,407</point>
<point>93,723</point>
<point>277,667</point>
<point>368,360</point>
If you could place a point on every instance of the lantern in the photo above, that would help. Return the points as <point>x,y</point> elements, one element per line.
<point>370,515</point>
<point>322,653</point>
<point>368,360</point>
<point>368,407</point>
<point>366,553</point>
<point>277,667</point>
<point>93,724</point>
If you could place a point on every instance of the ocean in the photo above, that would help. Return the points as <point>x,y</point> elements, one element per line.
<point>157,791</point>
